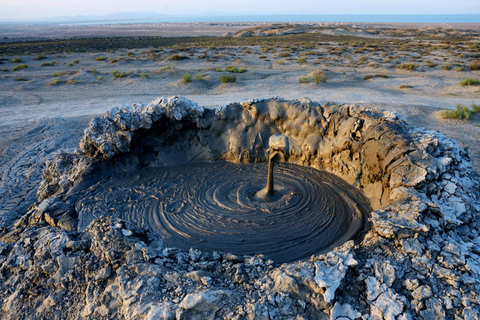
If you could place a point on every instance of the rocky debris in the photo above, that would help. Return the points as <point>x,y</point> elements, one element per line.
<point>420,258</point>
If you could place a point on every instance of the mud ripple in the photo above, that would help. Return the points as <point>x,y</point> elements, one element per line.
<point>212,206</point>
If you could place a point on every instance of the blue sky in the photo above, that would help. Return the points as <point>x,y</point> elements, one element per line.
<point>38,9</point>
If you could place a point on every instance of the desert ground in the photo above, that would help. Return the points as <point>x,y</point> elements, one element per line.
<point>51,85</point>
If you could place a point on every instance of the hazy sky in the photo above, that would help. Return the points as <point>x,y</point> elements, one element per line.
<point>38,9</point>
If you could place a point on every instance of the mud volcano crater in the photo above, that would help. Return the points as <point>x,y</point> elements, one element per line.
<point>417,257</point>
<point>192,173</point>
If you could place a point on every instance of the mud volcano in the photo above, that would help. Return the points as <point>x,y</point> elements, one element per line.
<point>163,165</point>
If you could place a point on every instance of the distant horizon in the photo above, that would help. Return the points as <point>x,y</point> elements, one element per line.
<point>153,17</point>
<point>30,10</point>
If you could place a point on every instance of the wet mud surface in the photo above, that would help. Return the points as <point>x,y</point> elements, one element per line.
<point>214,207</point>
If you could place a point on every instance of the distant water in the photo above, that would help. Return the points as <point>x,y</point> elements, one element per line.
<point>454,18</point>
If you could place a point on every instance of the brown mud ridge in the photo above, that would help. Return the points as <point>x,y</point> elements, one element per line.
<point>420,258</point>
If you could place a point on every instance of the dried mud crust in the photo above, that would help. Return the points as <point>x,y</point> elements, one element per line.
<point>420,258</point>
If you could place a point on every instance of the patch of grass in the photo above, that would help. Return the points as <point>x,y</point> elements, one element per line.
<point>446,67</point>
<point>225,78</point>
<point>370,76</point>
<point>405,86</point>
<point>20,67</point>
<point>118,74</point>
<point>474,65</point>
<point>17,60</point>
<point>461,112</point>
<point>54,82</point>
<point>280,62</point>
<point>187,78</point>
<point>49,64</point>
<point>301,60</point>
<point>76,61</point>
<point>407,66</point>
<point>100,78</point>
<point>319,76</point>
<point>94,71</point>
<point>304,80</point>
<point>199,77</point>
<point>177,57</point>
<point>21,79</point>
<point>143,75</point>
<point>262,57</point>
<point>58,74</point>
<point>40,57</point>
<point>101,58</point>
<point>71,82</point>
<point>469,82</point>
<point>235,69</point>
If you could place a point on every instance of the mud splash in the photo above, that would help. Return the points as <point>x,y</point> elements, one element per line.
<point>212,206</point>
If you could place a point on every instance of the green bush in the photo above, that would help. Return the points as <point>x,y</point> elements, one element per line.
<point>235,69</point>
<point>469,82</point>
<point>101,58</point>
<point>407,66</point>
<point>54,82</point>
<point>18,60</point>
<point>224,78</point>
<point>118,74</point>
<point>48,64</point>
<point>461,112</point>
<point>302,60</point>
<point>177,57</point>
<point>20,67</point>
<point>304,80</point>
<point>76,61</point>
<point>40,57</point>
<point>187,78</point>
<point>319,76</point>
<point>57,74</point>
<point>446,67</point>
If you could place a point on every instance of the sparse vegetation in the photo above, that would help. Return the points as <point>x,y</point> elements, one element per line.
<point>143,75</point>
<point>407,66</point>
<point>118,74</point>
<point>187,78</point>
<point>219,70</point>
<point>474,65</point>
<point>17,60</point>
<point>301,60</point>
<point>469,82</point>
<point>177,57</point>
<point>370,76</point>
<point>304,80</point>
<point>76,61</point>
<point>21,79</point>
<point>319,76</point>
<point>461,112</point>
<point>405,86</point>
<point>54,82</point>
<point>101,58</point>
<point>20,67</point>
<point>225,78</point>
<point>49,64</point>
<point>71,82</point>
<point>40,57</point>
<point>235,69</point>
<point>199,77</point>
<point>446,67</point>
<point>58,74</point>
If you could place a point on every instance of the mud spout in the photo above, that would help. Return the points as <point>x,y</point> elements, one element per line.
<point>278,147</point>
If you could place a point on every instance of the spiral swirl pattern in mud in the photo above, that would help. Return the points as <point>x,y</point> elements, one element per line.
<point>212,206</point>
